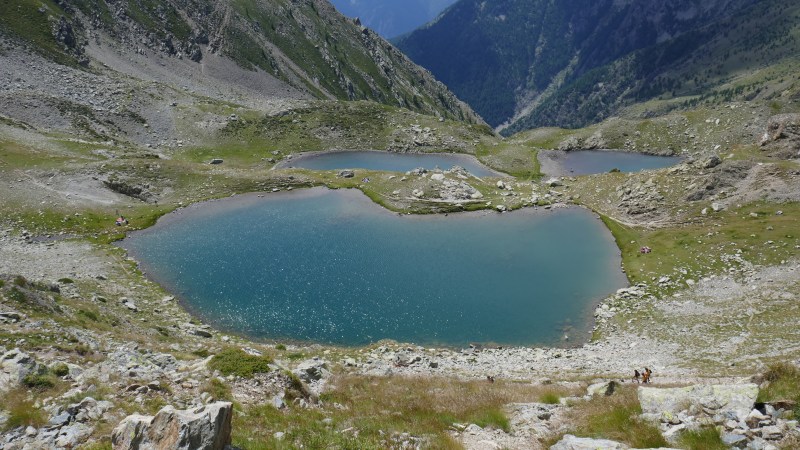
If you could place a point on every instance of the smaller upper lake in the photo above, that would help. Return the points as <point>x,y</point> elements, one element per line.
<point>388,161</point>
<point>587,162</point>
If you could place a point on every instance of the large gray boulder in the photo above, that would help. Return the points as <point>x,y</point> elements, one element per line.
<point>570,442</point>
<point>723,399</point>
<point>15,365</point>
<point>312,370</point>
<point>207,427</point>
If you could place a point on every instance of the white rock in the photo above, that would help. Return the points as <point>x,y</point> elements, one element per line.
<point>713,399</point>
<point>570,442</point>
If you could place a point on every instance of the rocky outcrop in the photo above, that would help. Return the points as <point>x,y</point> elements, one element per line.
<point>736,399</point>
<point>639,198</point>
<point>128,188</point>
<point>207,427</point>
<point>15,365</point>
<point>68,427</point>
<point>731,409</point>
<point>312,370</point>
<point>782,137</point>
<point>574,143</point>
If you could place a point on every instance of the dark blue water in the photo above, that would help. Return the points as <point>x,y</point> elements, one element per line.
<point>332,267</point>
<point>586,162</point>
<point>388,161</point>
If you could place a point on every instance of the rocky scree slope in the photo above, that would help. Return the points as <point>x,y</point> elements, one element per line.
<point>523,64</point>
<point>273,48</point>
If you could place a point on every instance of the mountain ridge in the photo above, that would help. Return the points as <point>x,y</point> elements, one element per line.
<point>306,45</point>
<point>556,50</point>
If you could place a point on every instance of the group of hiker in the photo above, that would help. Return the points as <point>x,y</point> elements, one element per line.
<point>642,377</point>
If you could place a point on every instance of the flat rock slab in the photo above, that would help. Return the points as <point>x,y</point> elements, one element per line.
<point>711,399</point>
<point>570,442</point>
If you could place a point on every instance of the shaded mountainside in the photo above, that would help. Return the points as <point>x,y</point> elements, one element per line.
<point>530,63</point>
<point>306,46</point>
<point>392,18</point>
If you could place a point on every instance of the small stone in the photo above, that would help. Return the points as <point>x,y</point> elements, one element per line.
<point>733,440</point>
<point>60,420</point>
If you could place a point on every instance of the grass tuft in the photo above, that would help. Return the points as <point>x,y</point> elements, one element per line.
<point>217,389</point>
<point>550,398</point>
<point>706,438</point>
<point>782,383</point>
<point>21,411</point>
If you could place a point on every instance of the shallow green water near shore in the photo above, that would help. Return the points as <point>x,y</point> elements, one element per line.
<point>332,267</point>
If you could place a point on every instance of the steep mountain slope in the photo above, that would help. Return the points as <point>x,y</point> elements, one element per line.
<point>305,47</point>
<point>392,18</point>
<point>537,63</point>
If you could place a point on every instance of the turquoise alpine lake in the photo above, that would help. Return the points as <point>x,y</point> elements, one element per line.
<point>586,162</point>
<point>329,266</point>
<point>387,161</point>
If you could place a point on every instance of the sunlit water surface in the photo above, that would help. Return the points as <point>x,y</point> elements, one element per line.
<point>332,267</point>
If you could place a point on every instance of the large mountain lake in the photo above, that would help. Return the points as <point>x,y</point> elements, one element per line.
<point>332,267</point>
<point>587,162</point>
<point>388,161</point>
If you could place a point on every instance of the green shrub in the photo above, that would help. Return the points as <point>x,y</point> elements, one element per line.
<point>91,315</point>
<point>706,438</point>
<point>2,283</point>
<point>233,361</point>
<point>38,381</point>
<point>17,295</point>
<point>20,281</point>
<point>60,370</point>
<point>280,347</point>
<point>66,280</point>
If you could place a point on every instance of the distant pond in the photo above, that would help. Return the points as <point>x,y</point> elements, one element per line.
<point>387,161</point>
<point>586,162</point>
<point>332,267</point>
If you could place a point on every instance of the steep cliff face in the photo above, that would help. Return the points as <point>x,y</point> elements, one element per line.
<point>516,62</point>
<point>305,45</point>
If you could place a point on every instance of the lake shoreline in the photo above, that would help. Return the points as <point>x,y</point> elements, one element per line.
<point>582,324</point>
<point>286,163</point>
